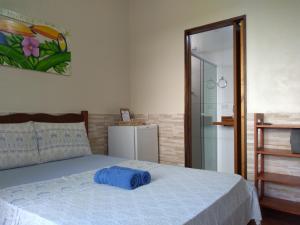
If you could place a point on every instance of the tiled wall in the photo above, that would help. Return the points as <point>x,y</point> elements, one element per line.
<point>171,142</point>
<point>98,124</point>
<point>171,134</point>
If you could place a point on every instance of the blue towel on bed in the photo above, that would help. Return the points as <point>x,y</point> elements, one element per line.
<point>145,175</point>
<point>122,177</point>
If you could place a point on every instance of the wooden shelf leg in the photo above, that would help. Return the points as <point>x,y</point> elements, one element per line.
<point>255,152</point>
<point>262,163</point>
<point>256,170</point>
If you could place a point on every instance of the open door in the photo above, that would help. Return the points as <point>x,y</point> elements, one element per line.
<point>240,150</point>
<point>208,75</point>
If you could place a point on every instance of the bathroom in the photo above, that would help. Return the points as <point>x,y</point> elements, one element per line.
<point>212,98</point>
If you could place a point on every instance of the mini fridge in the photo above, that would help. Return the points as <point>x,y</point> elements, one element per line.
<point>134,142</point>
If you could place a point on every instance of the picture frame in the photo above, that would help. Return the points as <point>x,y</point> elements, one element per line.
<point>32,44</point>
<point>125,114</point>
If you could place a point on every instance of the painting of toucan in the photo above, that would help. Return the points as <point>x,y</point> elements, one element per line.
<point>37,47</point>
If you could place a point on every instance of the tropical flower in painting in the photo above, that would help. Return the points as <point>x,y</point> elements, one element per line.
<point>31,46</point>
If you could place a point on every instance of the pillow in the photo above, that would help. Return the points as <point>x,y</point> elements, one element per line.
<point>18,145</point>
<point>57,141</point>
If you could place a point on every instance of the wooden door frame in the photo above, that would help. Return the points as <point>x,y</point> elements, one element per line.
<point>240,107</point>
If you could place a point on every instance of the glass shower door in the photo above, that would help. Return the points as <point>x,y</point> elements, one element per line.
<point>204,112</point>
<point>209,115</point>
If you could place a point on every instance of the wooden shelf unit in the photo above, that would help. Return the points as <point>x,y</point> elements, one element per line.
<point>278,126</point>
<point>261,176</point>
<point>278,152</point>
<point>280,179</point>
<point>281,205</point>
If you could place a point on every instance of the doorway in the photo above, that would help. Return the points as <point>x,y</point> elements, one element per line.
<point>215,96</point>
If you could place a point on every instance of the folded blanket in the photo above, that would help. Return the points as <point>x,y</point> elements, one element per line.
<point>122,177</point>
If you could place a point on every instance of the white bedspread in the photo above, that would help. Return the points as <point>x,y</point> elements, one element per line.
<point>176,196</point>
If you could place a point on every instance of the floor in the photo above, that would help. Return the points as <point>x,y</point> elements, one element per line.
<point>271,217</point>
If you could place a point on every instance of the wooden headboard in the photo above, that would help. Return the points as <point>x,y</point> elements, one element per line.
<point>49,118</point>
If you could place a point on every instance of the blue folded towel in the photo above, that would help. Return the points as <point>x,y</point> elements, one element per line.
<point>145,175</point>
<point>122,177</point>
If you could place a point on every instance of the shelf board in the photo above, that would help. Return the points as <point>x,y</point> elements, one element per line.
<point>279,126</point>
<point>277,152</point>
<point>280,179</point>
<point>224,123</point>
<point>281,205</point>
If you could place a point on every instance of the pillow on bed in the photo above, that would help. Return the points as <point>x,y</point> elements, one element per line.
<point>18,145</point>
<point>57,141</point>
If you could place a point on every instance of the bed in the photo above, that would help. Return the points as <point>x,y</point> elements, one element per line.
<point>62,192</point>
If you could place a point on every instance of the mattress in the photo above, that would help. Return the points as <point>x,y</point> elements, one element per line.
<point>56,169</point>
<point>68,196</point>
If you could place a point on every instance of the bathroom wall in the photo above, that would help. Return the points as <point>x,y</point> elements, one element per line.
<point>224,61</point>
<point>225,108</point>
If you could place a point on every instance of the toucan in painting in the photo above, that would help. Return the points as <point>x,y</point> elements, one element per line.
<point>33,46</point>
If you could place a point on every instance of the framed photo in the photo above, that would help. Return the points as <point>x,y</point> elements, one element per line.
<point>125,114</point>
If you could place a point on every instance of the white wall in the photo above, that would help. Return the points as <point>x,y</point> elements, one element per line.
<point>225,108</point>
<point>100,65</point>
<point>157,51</point>
<point>100,40</point>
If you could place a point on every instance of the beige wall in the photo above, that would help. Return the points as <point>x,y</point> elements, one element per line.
<point>99,40</point>
<point>152,79</point>
<point>157,51</point>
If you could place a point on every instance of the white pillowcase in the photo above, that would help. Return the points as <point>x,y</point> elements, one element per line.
<point>18,145</point>
<point>57,141</point>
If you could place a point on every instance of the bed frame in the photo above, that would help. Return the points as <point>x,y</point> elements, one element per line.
<point>49,118</point>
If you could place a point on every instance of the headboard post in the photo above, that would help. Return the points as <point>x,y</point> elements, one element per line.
<point>85,115</point>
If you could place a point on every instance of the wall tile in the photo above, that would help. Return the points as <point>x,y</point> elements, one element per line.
<point>98,124</point>
<point>171,134</point>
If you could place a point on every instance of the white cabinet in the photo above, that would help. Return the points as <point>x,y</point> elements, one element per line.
<point>134,142</point>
